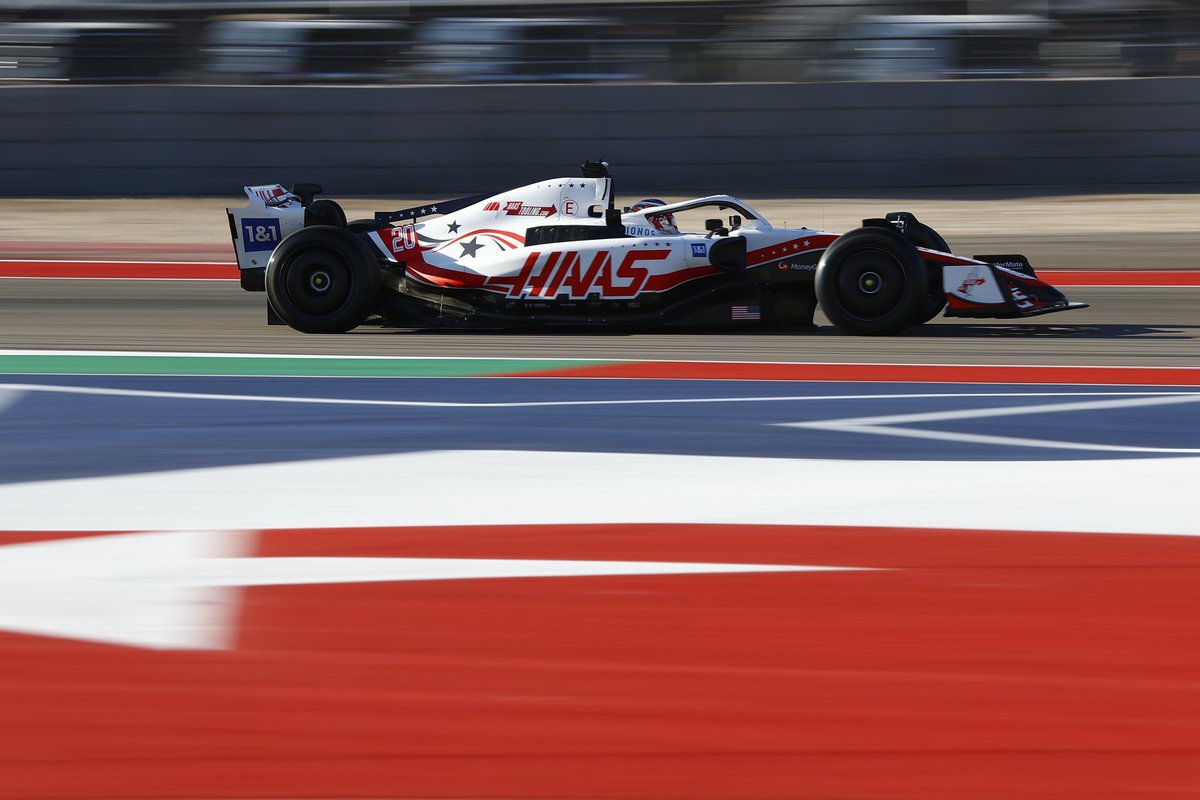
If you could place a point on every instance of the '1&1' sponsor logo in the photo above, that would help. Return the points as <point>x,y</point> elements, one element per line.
<point>699,249</point>
<point>260,234</point>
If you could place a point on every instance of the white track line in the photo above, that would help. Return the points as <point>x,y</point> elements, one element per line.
<point>342,401</point>
<point>179,589</point>
<point>8,397</point>
<point>886,425</point>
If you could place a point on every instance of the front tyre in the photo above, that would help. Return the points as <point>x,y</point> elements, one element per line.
<point>322,280</point>
<point>872,282</point>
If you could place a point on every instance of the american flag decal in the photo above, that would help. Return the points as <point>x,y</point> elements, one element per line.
<point>745,312</point>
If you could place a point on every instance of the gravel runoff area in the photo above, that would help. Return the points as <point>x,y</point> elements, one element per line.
<point>1119,231</point>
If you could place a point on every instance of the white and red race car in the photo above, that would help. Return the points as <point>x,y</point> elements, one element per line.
<point>559,252</point>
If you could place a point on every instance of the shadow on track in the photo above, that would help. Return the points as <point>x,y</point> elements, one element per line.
<point>971,330</point>
<point>977,331</point>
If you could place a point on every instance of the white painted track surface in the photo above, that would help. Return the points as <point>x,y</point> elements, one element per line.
<point>577,488</point>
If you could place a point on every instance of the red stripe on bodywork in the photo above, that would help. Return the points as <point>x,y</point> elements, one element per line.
<point>945,258</point>
<point>661,283</point>
<point>508,237</point>
<point>884,373</point>
<point>801,246</point>
<point>957,302</point>
<point>427,273</point>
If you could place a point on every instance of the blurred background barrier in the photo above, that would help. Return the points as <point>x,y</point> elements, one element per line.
<point>793,139</point>
<point>569,41</point>
<point>165,97</point>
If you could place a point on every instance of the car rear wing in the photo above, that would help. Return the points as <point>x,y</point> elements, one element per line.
<point>272,213</point>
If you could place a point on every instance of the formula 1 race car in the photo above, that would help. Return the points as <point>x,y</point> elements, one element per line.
<point>559,252</point>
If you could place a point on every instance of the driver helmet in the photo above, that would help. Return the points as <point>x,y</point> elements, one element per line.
<point>665,223</point>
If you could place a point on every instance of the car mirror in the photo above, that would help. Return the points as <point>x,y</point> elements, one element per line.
<point>712,224</point>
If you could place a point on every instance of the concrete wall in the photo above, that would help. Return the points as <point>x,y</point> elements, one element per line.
<point>760,139</point>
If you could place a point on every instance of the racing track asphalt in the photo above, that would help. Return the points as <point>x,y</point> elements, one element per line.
<point>1144,326</point>
<point>1134,326</point>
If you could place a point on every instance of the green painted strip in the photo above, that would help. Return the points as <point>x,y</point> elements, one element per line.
<point>50,364</point>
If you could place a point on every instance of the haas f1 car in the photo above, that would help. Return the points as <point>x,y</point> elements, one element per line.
<point>559,252</point>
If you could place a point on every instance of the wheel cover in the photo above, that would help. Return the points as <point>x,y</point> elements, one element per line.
<point>317,282</point>
<point>870,284</point>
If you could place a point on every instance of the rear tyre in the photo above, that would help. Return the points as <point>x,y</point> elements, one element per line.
<point>872,282</point>
<point>322,280</point>
<point>324,212</point>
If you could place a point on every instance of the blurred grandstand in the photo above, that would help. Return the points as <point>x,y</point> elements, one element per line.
<point>555,41</point>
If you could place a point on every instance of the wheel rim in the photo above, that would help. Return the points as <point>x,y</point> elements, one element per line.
<point>870,284</point>
<point>317,282</point>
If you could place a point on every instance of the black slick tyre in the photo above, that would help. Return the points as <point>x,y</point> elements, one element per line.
<point>324,212</point>
<point>872,282</point>
<point>322,280</point>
